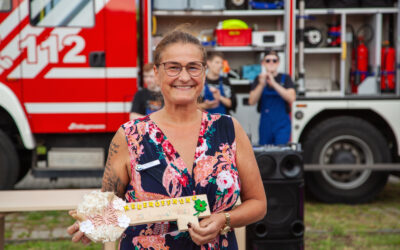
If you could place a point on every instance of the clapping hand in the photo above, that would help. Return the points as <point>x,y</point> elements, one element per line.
<point>262,79</point>
<point>210,104</point>
<point>216,93</point>
<point>270,79</point>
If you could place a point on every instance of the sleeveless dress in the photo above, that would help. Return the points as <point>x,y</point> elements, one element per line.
<point>214,174</point>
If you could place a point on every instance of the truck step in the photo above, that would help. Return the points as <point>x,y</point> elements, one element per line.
<point>75,158</point>
<point>64,173</point>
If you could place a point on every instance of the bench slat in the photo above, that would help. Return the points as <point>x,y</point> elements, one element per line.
<point>41,200</point>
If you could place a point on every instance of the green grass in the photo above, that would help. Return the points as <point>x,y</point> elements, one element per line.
<point>352,241</point>
<point>48,219</point>
<point>328,226</point>
<point>52,245</point>
<point>368,226</point>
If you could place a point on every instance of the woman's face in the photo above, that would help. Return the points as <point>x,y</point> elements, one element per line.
<point>271,63</point>
<point>183,88</point>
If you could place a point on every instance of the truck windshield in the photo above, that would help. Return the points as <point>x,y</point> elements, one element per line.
<point>5,5</point>
<point>70,13</point>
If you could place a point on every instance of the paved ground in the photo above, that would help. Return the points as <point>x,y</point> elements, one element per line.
<point>22,227</point>
<point>17,231</point>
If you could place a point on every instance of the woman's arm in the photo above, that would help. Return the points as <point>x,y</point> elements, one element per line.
<point>115,177</point>
<point>254,202</point>
<point>116,174</point>
<point>252,190</point>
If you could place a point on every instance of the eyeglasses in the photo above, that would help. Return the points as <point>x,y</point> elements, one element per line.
<point>174,68</point>
<point>271,60</point>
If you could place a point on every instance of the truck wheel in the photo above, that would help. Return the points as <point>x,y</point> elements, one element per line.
<point>9,164</point>
<point>345,140</point>
<point>25,163</point>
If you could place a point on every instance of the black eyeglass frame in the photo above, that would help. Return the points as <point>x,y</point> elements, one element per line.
<point>271,60</point>
<point>203,68</point>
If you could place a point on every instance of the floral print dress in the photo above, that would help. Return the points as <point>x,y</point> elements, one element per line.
<point>214,174</point>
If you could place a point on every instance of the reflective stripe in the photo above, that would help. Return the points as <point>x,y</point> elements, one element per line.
<point>96,73</point>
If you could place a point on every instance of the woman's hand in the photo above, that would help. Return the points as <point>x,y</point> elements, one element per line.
<point>74,230</point>
<point>208,230</point>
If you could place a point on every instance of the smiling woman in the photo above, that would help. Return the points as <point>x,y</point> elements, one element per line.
<point>180,66</point>
<point>187,152</point>
<point>181,78</point>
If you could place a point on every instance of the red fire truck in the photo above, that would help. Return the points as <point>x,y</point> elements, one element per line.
<point>68,71</point>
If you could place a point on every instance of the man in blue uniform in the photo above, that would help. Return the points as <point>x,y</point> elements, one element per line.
<point>274,93</point>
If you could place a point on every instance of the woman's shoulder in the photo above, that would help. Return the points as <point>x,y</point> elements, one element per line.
<point>138,122</point>
<point>226,120</point>
<point>216,116</point>
<point>221,127</point>
<point>220,118</point>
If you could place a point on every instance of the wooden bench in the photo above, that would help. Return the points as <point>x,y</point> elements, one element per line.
<point>58,199</point>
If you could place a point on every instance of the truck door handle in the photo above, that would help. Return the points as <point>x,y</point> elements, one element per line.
<point>97,59</point>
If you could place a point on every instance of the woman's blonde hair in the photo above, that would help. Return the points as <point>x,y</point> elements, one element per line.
<point>178,35</point>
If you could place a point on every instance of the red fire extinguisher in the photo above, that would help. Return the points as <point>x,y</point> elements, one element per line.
<point>361,62</point>
<point>333,36</point>
<point>388,60</point>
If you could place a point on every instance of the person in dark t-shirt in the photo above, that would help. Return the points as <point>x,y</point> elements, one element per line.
<point>218,95</point>
<point>274,93</point>
<point>148,99</point>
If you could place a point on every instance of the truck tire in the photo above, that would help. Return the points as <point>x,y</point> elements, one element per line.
<point>9,163</point>
<point>345,140</point>
<point>25,163</point>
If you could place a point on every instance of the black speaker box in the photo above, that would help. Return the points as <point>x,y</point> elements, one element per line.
<point>279,162</point>
<point>285,212</point>
<point>237,4</point>
<point>281,170</point>
<point>283,244</point>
